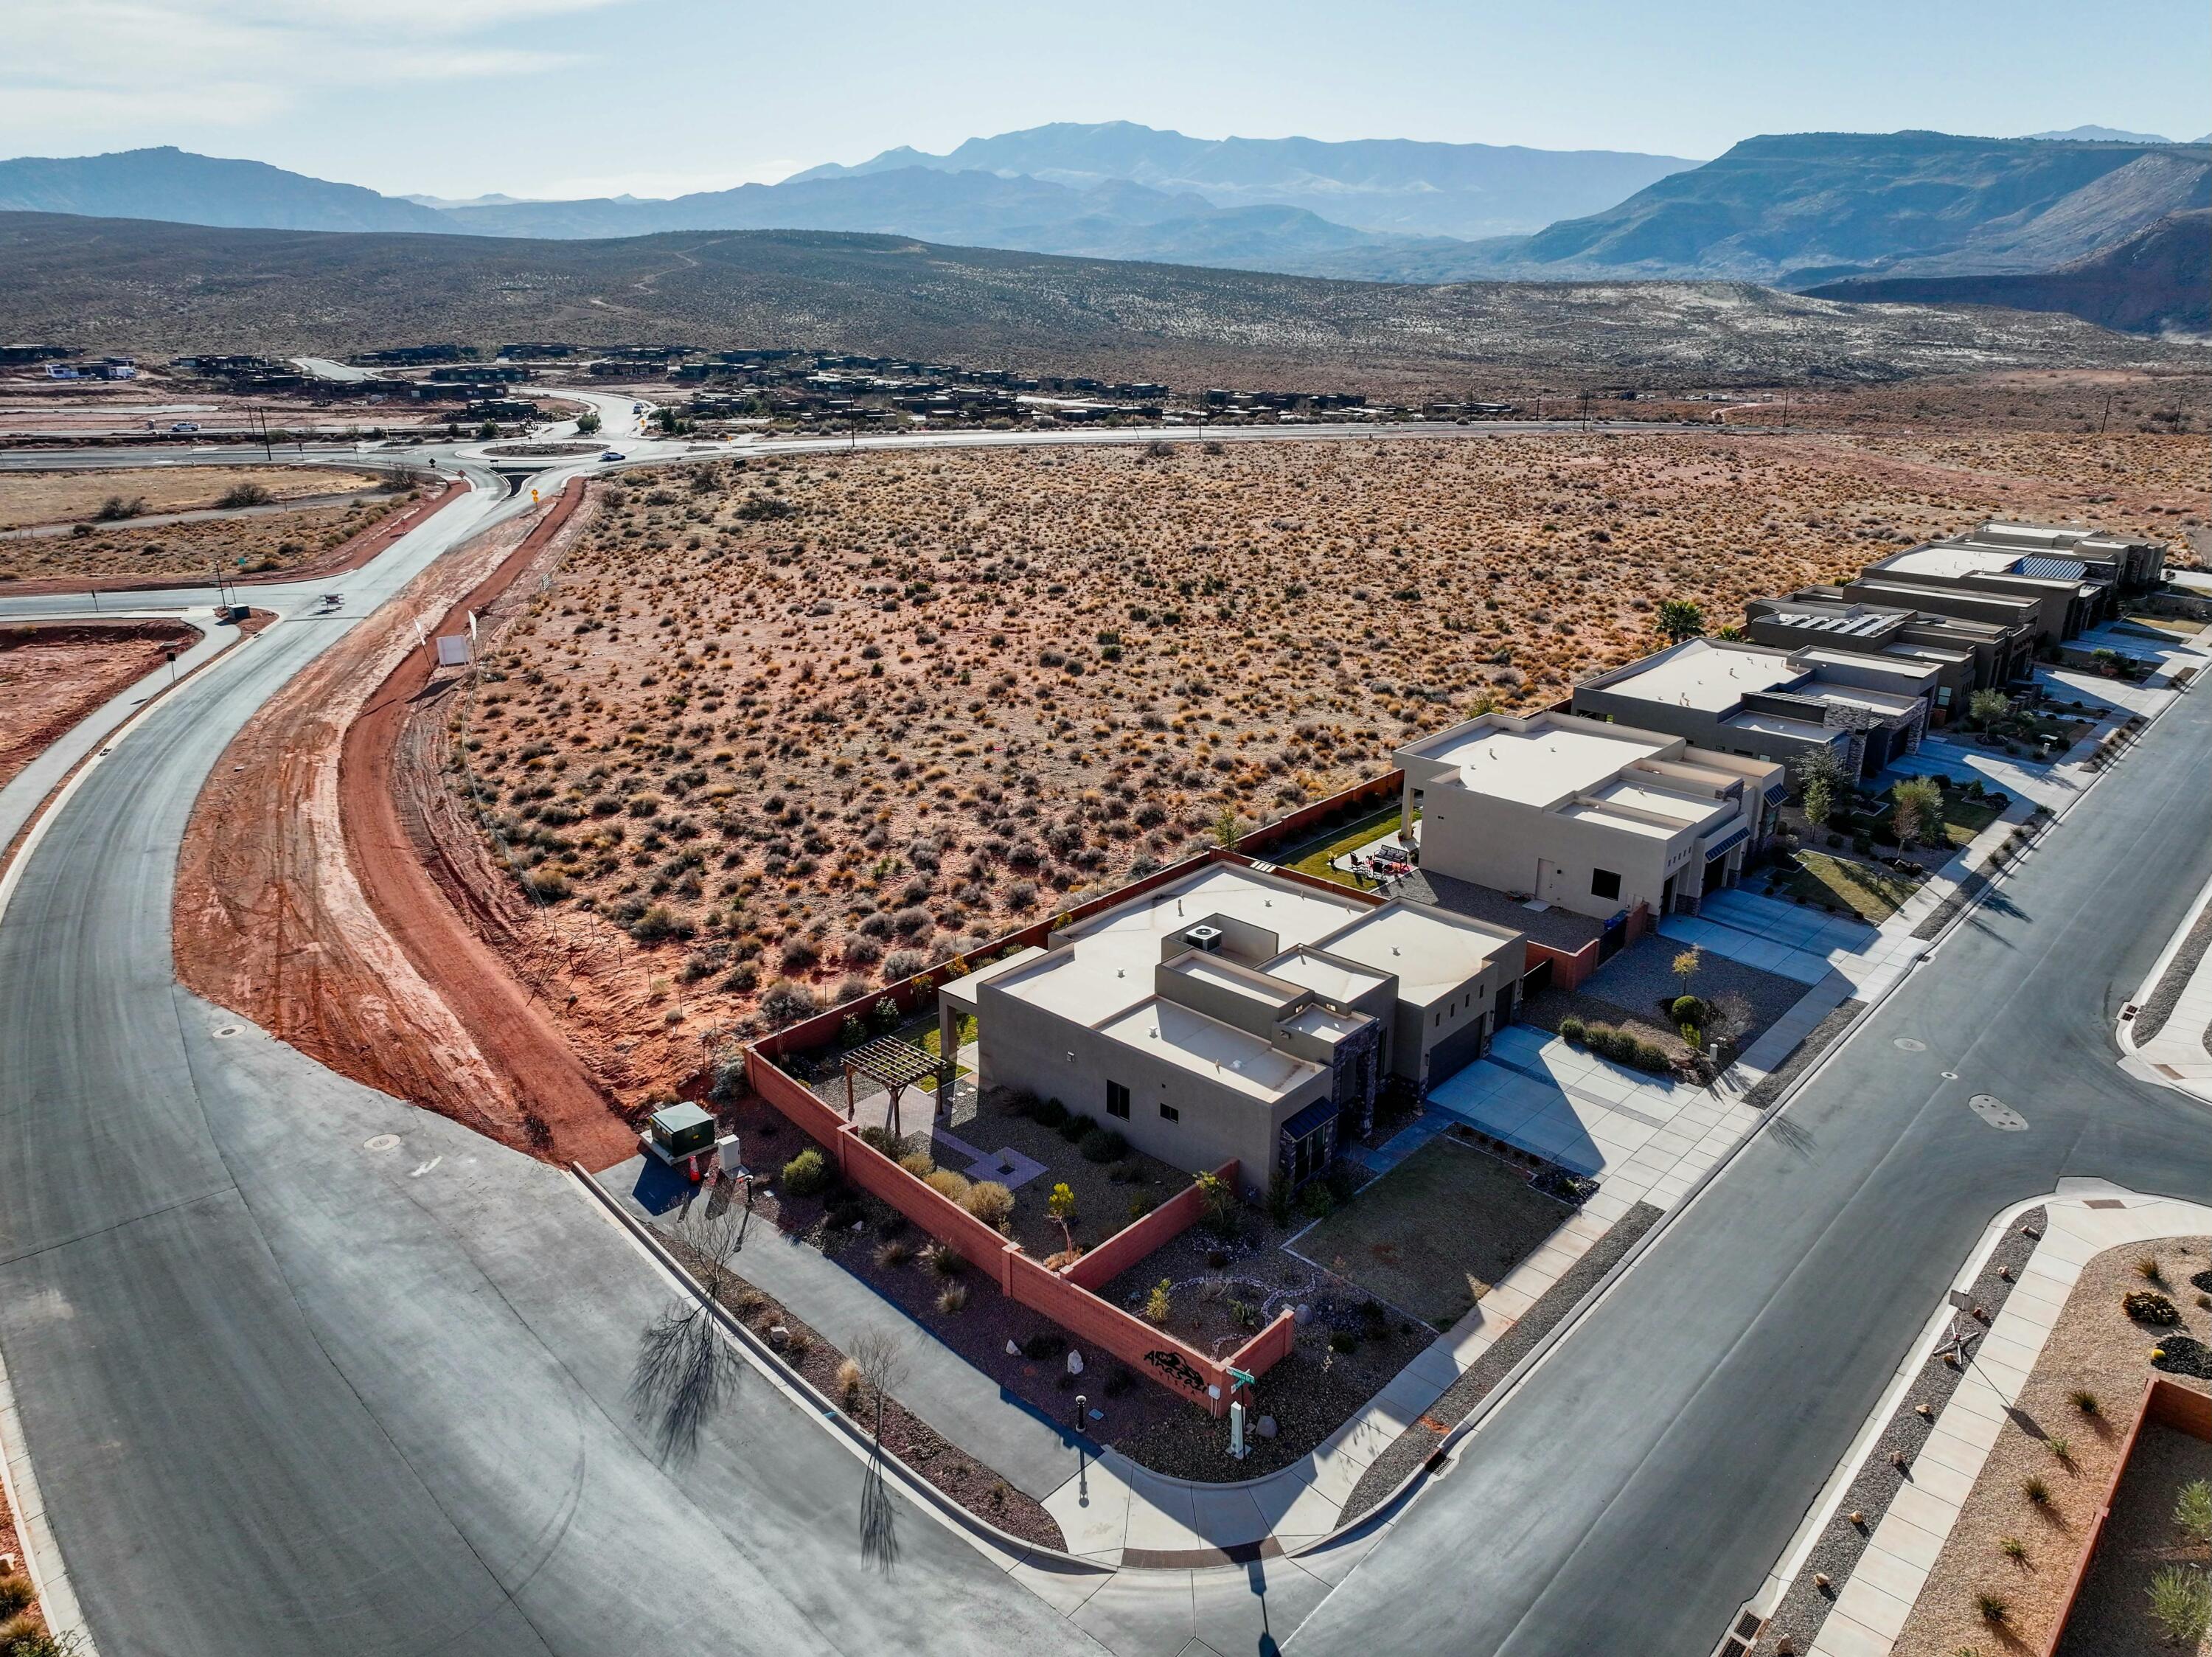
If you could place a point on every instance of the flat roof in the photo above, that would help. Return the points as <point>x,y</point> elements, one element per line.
<point>1336,980</point>
<point>1207,1047</point>
<point>1942,560</point>
<point>1850,695</point>
<point>1765,724</point>
<point>1248,983</point>
<point>1430,954</point>
<point>1861,660</point>
<point>1103,965</point>
<point>1623,822</point>
<point>961,991</point>
<point>1685,809</point>
<point>1703,675</point>
<point>1541,765</point>
<point>1323,1024</point>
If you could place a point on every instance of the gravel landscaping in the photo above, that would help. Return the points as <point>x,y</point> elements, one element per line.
<point>2095,1347</point>
<point>2167,992</point>
<point>1642,974</point>
<point>1847,1532</point>
<point>1822,1036</point>
<point>2139,1540</point>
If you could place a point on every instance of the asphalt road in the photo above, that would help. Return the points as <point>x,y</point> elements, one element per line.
<point>1637,1491</point>
<point>287,1392</point>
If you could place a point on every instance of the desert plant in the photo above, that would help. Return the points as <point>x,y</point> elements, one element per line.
<point>1075,1127</point>
<point>1687,1009</point>
<point>2192,1510</point>
<point>1049,1114</point>
<point>25,1635</point>
<point>1216,1205</point>
<point>953,1187</point>
<point>116,507</point>
<point>989,1202</point>
<point>896,1252</point>
<point>1992,1607</point>
<point>247,494</point>
<point>849,1381</point>
<point>16,1595</point>
<point>2036,1489</point>
<point>2147,1306</point>
<point>1343,1341</point>
<point>2012,1548</point>
<point>1685,967</point>
<point>953,1298</point>
<point>2083,1400</point>
<point>1677,619</point>
<point>2147,1268</point>
<point>1986,707</point>
<point>1103,1145</point>
<point>918,1164</point>
<point>1573,1030</point>
<point>2060,1447</point>
<point>944,1260</point>
<point>1820,802</point>
<point>880,1356</point>
<point>806,1174</point>
<point>2181,1604</point>
<point>1159,1304</point>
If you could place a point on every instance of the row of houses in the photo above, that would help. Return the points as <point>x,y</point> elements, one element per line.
<point>1240,1010</point>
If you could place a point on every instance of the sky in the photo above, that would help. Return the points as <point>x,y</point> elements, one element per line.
<point>656,97</point>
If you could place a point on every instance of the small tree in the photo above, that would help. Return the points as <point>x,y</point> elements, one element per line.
<point>882,1355</point>
<point>1820,801</point>
<point>588,423</point>
<point>1919,813</point>
<point>1678,619</point>
<point>1986,707</point>
<point>1686,968</point>
<point>1227,827</point>
<point>1062,1203</point>
<point>1159,1305</point>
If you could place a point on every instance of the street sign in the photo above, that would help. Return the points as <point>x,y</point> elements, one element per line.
<point>1237,1377</point>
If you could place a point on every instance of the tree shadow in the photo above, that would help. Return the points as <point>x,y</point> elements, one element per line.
<point>687,1366</point>
<point>879,1543</point>
<point>1800,1142</point>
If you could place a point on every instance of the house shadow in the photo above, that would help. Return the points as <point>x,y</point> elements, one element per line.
<point>660,1188</point>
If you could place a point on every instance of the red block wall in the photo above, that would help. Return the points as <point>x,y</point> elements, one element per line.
<point>1140,1237</point>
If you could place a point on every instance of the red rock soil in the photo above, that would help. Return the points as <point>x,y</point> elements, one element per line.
<point>274,917</point>
<point>53,674</point>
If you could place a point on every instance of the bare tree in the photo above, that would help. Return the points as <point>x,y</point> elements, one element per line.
<point>1728,1018</point>
<point>686,1365</point>
<point>882,1355</point>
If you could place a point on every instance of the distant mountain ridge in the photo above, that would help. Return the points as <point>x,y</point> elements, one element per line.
<point>1807,208</point>
<point>175,185</point>
<point>2158,280</point>
<point>1397,187</point>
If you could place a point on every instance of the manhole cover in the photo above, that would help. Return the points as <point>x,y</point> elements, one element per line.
<point>1908,1044</point>
<point>383,1142</point>
<point>1950,1075</point>
<point>228,1030</point>
<point>1998,1114</point>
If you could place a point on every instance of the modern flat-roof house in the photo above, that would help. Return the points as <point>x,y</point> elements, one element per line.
<point>1236,1012</point>
<point>1592,817</point>
<point>2075,576</point>
<point>1756,702</point>
<point>1992,655</point>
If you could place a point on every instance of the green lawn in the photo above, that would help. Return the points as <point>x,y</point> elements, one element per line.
<point>1314,856</point>
<point>1964,818</point>
<point>1873,894</point>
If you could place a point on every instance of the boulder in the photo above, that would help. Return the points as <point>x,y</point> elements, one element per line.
<point>1264,1427</point>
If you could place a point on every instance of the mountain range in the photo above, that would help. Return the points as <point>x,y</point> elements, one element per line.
<point>1800,211</point>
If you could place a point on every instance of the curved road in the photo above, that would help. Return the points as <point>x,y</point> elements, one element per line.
<point>302,1369</point>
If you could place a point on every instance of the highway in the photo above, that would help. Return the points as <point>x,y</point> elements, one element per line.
<point>289,1387</point>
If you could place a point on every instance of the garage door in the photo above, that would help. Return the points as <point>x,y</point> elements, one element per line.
<point>1459,1049</point>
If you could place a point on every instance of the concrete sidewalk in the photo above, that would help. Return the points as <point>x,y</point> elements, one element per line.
<point>2177,1054</point>
<point>21,797</point>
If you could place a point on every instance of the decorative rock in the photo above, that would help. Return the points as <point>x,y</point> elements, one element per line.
<point>1923,1412</point>
<point>1264,1427</point>
<point>778,1336</point>
<point>1857,1517</point>
<point>1074,1362</point>
<point>1303,1316</point>
<point>1013,1350</point>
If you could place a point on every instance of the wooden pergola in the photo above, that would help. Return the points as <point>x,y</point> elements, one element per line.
<point>896,1064</point>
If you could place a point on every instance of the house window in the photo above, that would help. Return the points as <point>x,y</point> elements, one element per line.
<point>1604,883</point>
<point>1169,1113</point>
<point>1117,1100</point>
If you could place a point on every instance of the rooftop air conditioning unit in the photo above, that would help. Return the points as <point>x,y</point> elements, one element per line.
<point>1206,939</point>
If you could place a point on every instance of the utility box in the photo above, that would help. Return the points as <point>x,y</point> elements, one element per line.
<point>677,1131</point>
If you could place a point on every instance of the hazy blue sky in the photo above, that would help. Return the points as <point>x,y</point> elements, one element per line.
<point>566,97</point>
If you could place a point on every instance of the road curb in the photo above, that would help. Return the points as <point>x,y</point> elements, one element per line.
<point>41,1552</point>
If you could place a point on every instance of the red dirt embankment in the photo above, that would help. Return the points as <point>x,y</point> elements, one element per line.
<point>347,555</point>
<point>301,902</point>
<point>52,674</point>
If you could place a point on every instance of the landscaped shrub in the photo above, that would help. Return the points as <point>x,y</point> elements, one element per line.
<point>1688,1009</point>
<point>1315,1202</point>
<point>1049,1114</point>
<point>1103,1145</point>
<point>1159,1304</point>
<point>989,1202</point>
<point>882,1139</point>
<point>786,1003</point>
<point>953,1187</point>
<point>1343,1341</point>
<point>806,1173</point>
<point>1075,1127</point>
<point>952,1298</point>
<point>2147,1306</point>
<point>918,1164</point>
<point>903,964</point>
<point>1044,1347</point>
<point>1573,1030</point>
<point>944,1260</point>
<point>16,1595</point>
